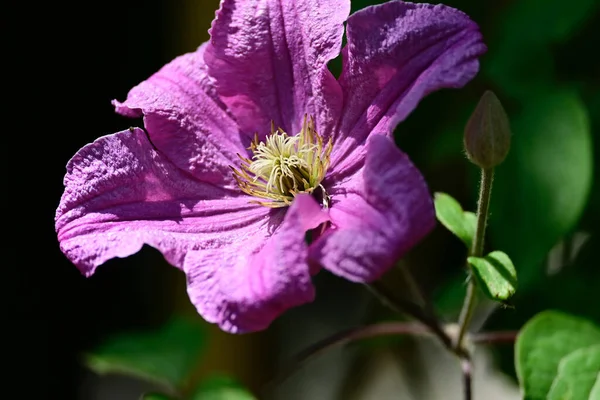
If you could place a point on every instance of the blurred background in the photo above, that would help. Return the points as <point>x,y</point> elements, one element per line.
<point>68,62</point>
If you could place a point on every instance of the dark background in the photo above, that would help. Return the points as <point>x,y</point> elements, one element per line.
<point>69,62</point>
<point>64,63</point>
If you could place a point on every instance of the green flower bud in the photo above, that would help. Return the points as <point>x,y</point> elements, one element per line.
<point>487,134</point>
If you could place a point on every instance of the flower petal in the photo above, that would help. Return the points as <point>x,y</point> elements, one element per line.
<point>245,285</point>
<point>185,119</point>
<point>377,214</point>
<point>121,194</point>
<point>269,59</point>
<point>397,53</point>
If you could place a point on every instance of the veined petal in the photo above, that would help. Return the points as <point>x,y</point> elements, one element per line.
<point>244,285</point>
<point>269,60</point>
<point>377,214</point>
<point>121,194</point>
<point>185,119</point>
<point>397,53</point>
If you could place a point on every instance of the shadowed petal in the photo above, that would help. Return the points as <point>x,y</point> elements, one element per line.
<point>377,214</point>
<point>121,194</point>
<point>269,59</point>
<point>185,119</point>
<point>246,284</point>
<point>397,53</point>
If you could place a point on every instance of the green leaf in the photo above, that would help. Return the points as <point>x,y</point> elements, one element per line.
<point>541,189</point>
<point>577,374</point>
<point>543,343</point>
<point>461,223</point>
<point>165,356</point>
<point>221,388</point>
<point>495,274</point>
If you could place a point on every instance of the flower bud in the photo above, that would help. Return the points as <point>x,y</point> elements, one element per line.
<point>487,134</point>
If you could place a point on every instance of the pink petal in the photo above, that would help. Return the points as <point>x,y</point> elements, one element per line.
<point>120,194</point>
<point>378,214</point>
<point>397,53</point>
<point>186,121</point>
<point>269,59</point>
<point>246,284</point>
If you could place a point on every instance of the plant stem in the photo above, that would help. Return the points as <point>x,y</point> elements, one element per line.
<point>483,205</point>
<point>342,338</point>
<point>417,292</point>
<point>380,330</point>
<point>495,337</point>
<point>403,306</point>
<point>389,329</point>
<point>360,333</point>
<point>466,313</point>
<point>467,367</point>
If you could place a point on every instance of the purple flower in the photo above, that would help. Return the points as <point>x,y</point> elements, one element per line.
<point>250,142</point>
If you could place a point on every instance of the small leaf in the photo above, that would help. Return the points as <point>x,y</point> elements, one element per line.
<point>496,275</point>
<point>221,388</point>
<point>577,374</point>
<point>543,343</point>
<point>165,356</point>
<point>449,212</point>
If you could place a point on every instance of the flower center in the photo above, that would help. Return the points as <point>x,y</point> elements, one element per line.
<point>283,166</point>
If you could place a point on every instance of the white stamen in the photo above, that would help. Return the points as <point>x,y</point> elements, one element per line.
<point>284,165</point>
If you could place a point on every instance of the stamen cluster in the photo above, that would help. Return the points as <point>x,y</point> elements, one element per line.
<point>283,166</point>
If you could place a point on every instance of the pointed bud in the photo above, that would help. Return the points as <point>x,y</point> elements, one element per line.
<point>487,134</point>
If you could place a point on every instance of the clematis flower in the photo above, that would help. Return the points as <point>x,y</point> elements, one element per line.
<point>249,143</point>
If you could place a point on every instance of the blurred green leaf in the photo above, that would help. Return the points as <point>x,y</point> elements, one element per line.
<point>578,372</point>
<point>520,59</point>
<point>542,345</point>
<point>449,212</point>
<point>155,396</point>
<point>166,356</point>
<point>595,392</point>
<point>495,274</point>
<point>541,189</point>
<point>520,68</point>
<point>449,298</point>
<point>544,21</point>
<point>221,388</point>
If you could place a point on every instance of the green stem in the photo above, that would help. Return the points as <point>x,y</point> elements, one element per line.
<point>466,312</point>
<point>483,205</point>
